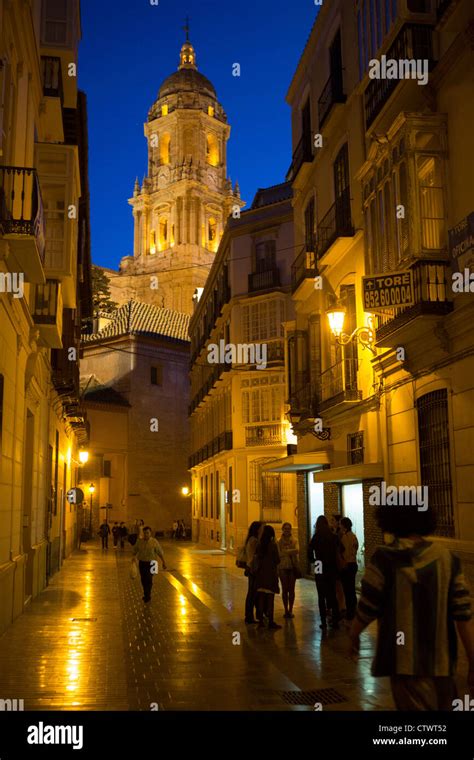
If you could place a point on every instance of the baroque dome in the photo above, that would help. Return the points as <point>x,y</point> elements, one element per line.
<point>187,80</point>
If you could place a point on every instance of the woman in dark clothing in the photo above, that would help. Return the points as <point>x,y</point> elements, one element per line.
<point>250,546</point>
<point>266,561</point>
<point>323,548</point>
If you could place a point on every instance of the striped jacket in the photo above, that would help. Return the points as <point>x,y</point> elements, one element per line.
<point>416,591</point>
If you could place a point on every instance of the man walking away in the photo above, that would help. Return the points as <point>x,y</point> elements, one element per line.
<point>104,532</point>
<point>415,588</point>
<point>123,534</point>
<point>116,534</point>
<point>146,551</point>
<point>175,529</point>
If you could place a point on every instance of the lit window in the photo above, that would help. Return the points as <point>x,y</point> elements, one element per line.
<point>210,111</point>
<point>164,110</point>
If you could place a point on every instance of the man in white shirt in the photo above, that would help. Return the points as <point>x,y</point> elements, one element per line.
<point>146,551</point>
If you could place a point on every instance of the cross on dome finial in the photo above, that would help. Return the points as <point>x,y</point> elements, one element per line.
<point>186,28</point>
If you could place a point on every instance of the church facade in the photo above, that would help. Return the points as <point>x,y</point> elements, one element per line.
<point>182,205</point>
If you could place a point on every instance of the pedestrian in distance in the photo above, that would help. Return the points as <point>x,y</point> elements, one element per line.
<point>265,565</point>
<point>175,529</point>
<point>350,547</point>
<point>104,532</point>
<point>123,534</point>
<point>116,533</point>
<point>250,546</point>
<point>323,550</point>
<point>146,551</point>
<point>415,589</point>
<point>288,568</point>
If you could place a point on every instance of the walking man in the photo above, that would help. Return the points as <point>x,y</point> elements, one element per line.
<point>104,532</point>
<point>416,590</point>
<point>147,550</point>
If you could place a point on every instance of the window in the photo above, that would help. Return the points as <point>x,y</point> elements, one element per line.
<point>265,255</point>
<point>309,227</point>
<point>361,47</point>
<point>431,202</point>
<point>263,320</point>
<point>206,494</point>
<point>107,468</point>
<point>202,497</point>
<point>212,495</point>
<point>341,171</point>
<point>212,229</point>
<point>156,375</point>
<point>164,110</point>
<point>262,405</point>
<point>163,233</point>
<point>435,465</point>
<point>54,209</point>
<point>355,448</point>
<point>54,22</point>
<point>165,148</point>
<point>212,150</point>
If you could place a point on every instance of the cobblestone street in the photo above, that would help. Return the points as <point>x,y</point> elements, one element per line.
<point>89,643</point>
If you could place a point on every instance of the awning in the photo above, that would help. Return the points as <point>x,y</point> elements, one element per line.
<point>299,462</point>
<point>352,473</point>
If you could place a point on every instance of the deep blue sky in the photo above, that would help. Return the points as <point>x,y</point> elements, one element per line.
<point>129,47</point>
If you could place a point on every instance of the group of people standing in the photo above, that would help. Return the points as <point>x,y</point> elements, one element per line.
<point>333,550</point>
<point>267,561</point>
<point>179,529</point>
<point>119,533</point>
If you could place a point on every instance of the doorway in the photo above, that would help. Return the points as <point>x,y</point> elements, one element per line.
<point>223,512</point>
<point>315,501</point>
<point>353,507</point>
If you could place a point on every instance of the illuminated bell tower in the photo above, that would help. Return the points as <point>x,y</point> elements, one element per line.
<point>181,208</point>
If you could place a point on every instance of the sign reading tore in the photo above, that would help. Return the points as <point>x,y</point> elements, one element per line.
<point>386,291</point>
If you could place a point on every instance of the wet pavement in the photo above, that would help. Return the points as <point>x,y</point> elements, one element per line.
<point>88,642</point>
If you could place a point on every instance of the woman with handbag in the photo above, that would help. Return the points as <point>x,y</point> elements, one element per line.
<point>249,552</point>
<point>288,568</point>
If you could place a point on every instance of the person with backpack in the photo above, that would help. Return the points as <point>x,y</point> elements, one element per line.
<point>147,550</point>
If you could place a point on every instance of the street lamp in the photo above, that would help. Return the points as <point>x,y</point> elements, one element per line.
<point>91,491</point>
<point>364,335</point>
<point>83,456</point>
<point>185,491</point>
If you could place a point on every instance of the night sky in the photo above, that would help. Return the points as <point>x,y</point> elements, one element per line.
<point>129,47</point>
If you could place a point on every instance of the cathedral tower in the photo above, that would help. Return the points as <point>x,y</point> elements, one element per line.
<point>181,208</point>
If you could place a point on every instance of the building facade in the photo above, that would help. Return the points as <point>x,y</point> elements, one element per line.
<point>134,372</point>
<point>237,411</point>
<point>392,388</point>
<point>182,205</point>
<point>44,294</point>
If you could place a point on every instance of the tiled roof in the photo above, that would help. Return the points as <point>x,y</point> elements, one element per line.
<point>265,196</point>
<point>137,318</point>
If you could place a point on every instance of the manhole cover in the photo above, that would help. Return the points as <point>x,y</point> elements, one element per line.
<point>83,620</point>
<point>324,696</point>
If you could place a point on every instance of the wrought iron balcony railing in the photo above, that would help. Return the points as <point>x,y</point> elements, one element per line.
<point>414,42</point>
<point>263,435</point>
<point>303,153</point>
<point>303,267</point>
<point>432,294</point>
<point>21,205</point>
<point>332,93</point>
<point>336,223</point>
<point>264,280</point>
<point>339,383</point>
<point>52,76</point>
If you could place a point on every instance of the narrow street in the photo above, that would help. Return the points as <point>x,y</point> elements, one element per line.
<point>88,642</point>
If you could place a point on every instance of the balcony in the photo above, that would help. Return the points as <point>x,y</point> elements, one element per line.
<point>332,93</point>
<point>336,226</point>
<point>301,399</point>
<point>303,154</point>
<point>432,294</point>
<point>339,385</point>
<point>303,273</point>
<point>264,280</point>
<point>22,221</point>
<point>65,373</point>
<point>48,313</point>
<point>264,435</point>
<point>222,442</point>
<point>414,41</point>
